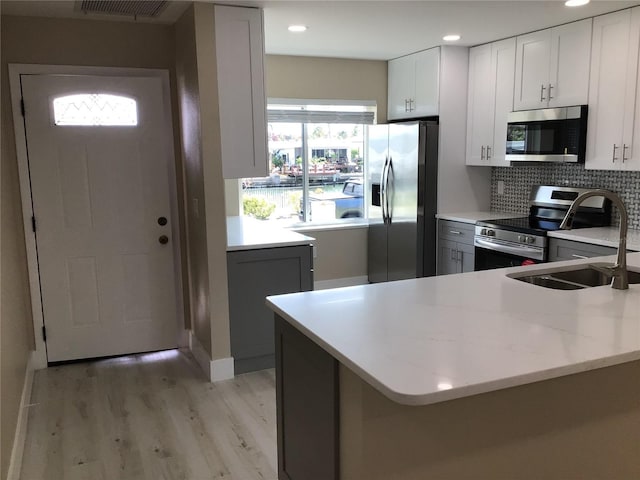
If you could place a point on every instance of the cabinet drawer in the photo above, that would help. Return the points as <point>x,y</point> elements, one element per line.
<point>569,250</point>
<point>456,231</point>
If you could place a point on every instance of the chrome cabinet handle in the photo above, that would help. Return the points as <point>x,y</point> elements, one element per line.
<point>488,152</point>
<point>613,155</point>
<point>542,89</point>
<point>406,105</point>
<point>550,87</point>
<point>482,153</point>
<point>625,147</point>
<point>455,232</point>
<point>578,256</point>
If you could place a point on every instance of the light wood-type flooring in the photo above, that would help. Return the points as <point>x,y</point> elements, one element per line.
<point>149,416</point>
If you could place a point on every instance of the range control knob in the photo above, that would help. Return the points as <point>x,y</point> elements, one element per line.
<point>491,233</point>
<point>483,231</point>
<point>531,240</point>
<point>522,238</point>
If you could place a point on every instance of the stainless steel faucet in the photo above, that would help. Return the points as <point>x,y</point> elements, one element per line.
<point>617,270</point>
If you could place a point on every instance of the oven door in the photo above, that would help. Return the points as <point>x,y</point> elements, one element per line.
<point>491,254</point>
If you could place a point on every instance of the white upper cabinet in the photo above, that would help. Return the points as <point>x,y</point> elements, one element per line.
<point>552,67</point>
<point>413,85</point>
<point>613,96</point>
<point>490,99</point>
<point>239,39</point>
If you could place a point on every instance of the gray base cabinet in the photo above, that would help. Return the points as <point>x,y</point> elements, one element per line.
<point>560,249</point>
<point>307,407</point>
<point>254,275</point>
<point>456,253</point>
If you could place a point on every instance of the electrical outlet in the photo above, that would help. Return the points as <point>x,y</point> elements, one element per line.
<point>500,187</point>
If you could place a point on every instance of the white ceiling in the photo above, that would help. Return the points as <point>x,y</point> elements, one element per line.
<point>368,29</point>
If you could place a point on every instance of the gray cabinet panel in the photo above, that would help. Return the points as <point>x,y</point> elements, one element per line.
<point>560,249</point>
<point>254,275</point>
<point>456,253</point>
<point>447,262</point>
<point>307,389</point>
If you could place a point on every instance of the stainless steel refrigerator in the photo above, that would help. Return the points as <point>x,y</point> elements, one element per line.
<point>402,192</point>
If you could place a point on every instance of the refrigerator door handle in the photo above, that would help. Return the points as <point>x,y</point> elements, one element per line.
<point>389,206</point>
<point>383,190</point>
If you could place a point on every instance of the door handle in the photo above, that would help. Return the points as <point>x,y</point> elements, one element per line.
<point>383,190</point>
<point>163,239</point>
<point>542,89</point>
<point>388,201</point>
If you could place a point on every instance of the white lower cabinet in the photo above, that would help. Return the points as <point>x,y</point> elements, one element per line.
<point>613,139</point>
<point>490,99</point>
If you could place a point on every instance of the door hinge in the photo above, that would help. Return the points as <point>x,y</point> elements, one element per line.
<point>44,333</point>
<point>22,106</point>
<point>33,223</point>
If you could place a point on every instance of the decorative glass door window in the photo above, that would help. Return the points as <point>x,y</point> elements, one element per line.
<point>95,109</point>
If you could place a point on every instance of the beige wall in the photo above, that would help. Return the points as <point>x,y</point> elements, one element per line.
<point>328,78</point>
<point>341,253</point>
<point>207,237</point>
<point>62,42</point>
<point>15,312</point>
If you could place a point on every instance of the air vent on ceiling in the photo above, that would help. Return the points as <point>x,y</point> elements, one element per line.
<point>136,8</point>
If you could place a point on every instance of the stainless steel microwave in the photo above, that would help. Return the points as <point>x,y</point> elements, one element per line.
<point>547,135</point>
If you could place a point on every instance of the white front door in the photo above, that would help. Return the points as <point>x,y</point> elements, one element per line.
<point>100,166</point>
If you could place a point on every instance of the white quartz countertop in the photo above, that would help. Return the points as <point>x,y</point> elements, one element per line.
<point>605,236</point>
<point>244,233</point>
<point>428,340</point>
<point>473,217</point>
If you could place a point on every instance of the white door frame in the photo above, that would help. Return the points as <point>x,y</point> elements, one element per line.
<point>15,70</point>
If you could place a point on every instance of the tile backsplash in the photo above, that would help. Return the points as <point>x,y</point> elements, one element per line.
<point>518,181</point>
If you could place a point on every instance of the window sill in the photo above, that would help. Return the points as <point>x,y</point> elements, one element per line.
<point>300,228</point>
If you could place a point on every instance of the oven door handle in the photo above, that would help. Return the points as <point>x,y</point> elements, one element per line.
<point>501,247</point>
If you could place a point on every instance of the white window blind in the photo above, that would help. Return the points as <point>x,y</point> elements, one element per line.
<point>312,111</point>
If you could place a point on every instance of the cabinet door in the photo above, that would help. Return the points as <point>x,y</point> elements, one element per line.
<point>532,70</point>
<point>466,257</point>
<point>252,276</point>
<point>503,65</point>
<point>401,78</point>
<point>570,61</point>
<point>560,249</point>
<point>480,103</point>
<point>447,257</point>
<point>239,41</point>
<point>427,83</point>
<point>631,133</point>
<point>608,84</point>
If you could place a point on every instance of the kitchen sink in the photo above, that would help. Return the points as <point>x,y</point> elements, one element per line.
<point>573,279</point>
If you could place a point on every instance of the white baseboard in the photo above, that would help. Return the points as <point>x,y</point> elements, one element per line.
<point>340,282</point>
<point>215,370</point>
<point>15,464</point>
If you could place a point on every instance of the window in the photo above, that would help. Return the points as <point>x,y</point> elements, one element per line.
<point>317,165</point>
<point>95,109</point>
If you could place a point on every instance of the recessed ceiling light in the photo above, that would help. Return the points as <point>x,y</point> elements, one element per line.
<point>576,3</point>
<point>451,38</point>
<point>297,28</point>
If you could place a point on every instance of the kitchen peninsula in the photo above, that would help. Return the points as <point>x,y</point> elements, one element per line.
<point>463,376</point>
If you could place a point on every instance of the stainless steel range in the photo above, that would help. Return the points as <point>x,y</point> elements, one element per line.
<point>520,241</point>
